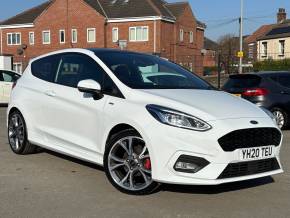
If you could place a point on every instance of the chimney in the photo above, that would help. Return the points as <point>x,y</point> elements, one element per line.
<point>281,15</point>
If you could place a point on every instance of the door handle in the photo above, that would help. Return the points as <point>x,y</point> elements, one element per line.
<point>50,93</point>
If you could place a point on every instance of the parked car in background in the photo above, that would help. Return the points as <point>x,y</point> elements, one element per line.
<point>7,78</point>
<point>146,120</point>
<point>270,90</point>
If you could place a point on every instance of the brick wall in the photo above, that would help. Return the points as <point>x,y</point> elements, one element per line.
<point>78,15</point>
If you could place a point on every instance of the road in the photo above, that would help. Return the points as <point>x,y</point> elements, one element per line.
<point>51,185</point>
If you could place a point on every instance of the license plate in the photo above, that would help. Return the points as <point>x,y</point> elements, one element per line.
<point>238,95</point>
<point>257,153</point>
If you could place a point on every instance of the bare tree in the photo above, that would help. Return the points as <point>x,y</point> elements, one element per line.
<point>228,48</point>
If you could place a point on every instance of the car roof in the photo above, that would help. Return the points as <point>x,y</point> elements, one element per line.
<point>261,74</point>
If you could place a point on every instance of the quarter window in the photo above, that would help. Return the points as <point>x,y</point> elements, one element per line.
<point>46,37</point>
<point>13,38</point>
<point>139,33</point>
<point>91,35</point>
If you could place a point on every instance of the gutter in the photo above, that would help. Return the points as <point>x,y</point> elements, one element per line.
<point>135,19</point>
<point>13,26</point>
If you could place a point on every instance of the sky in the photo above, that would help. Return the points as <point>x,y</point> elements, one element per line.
<point>220,16</point>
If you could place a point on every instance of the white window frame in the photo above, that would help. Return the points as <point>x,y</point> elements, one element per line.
<point>72,35</point>
<point>10,34</point>
<point>117,36</point>
<point>135,28</point>
<point>33,38</point>
<point>181,35</point>
<point>191,39</point>
<point>49,37</point>
<point>281,53</point>
<point>20,67</point>
<point>95,38</point>
<point>60,32</point>
<point>264,52</point>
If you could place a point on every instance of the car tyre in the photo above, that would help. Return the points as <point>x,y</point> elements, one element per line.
<point>17,135</point>
<point>281,117</point>
<point>127,164</point>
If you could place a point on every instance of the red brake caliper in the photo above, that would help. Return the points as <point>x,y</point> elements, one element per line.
<point>147,164</point>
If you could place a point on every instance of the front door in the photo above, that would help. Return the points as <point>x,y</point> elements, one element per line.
<point>73,119</point>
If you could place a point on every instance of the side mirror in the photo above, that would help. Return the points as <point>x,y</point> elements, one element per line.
<point>92,87</point>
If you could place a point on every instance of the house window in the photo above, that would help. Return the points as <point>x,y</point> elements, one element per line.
<point>62,36</point>
<point>281,47</point>
<point>251,51</point>
<point>264,49</point>
<point>31,38</point>
<point>74,36</point>
<point>46,37</point>
<point>91,35</point>
<point>13,38</point>
<point>181,35</point>
<point>115,34</point>
<point>17,67</point>
<point>191,37</point>
<point>140,33</point>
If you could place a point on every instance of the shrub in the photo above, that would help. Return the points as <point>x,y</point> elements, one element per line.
<point>272,65</point>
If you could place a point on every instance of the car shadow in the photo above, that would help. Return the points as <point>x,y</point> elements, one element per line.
<point>194,189</point>
<point>218,189</point>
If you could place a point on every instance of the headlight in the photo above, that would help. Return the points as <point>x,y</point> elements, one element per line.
<point>176,118</point>
<point>269,113</point>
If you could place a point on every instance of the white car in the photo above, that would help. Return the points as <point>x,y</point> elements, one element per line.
<point>7,78</point>
<point>95,105</point>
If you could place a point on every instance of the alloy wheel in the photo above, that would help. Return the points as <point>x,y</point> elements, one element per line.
<point>129,164</point>
<point>280,119</point>
<point>16,132</point>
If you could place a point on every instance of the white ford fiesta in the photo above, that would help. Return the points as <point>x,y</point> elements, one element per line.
<point>146,120</point>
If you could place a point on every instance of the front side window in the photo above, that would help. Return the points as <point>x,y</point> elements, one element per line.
<point>62,36</point>
<point>138,33</point>
<point>45,68</point>
<point>140,71</point>
<point>91,35</point>
<point>13,38</point>
<point>31,38</point>
<point>46,37</point>
<point>282,47</point>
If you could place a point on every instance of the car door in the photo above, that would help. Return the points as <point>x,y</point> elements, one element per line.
<point>1,87</point>
<point>74,119</point>
<point>8,79</point>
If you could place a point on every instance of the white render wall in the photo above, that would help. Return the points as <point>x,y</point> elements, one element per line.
<point>5,62</point>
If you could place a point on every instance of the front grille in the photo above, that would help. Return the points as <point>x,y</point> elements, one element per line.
<point>249,168</point>
<point>249,138</point>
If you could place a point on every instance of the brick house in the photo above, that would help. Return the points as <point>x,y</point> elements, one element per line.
<point>210,53</point>
<point>150,26</point>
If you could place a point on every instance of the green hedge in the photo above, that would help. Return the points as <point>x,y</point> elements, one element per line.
<point>272,65</point>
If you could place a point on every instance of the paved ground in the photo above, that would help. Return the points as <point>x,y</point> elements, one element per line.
<point>51,185</point>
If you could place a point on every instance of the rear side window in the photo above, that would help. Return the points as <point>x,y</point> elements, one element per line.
<point>245,81</point>
<point>45,68</point>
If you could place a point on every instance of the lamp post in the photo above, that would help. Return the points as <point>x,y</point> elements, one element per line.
<point>241,54</point>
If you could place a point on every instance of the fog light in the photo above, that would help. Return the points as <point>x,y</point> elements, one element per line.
<point>189,164</point>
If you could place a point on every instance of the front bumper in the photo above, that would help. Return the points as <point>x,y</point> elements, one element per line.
<point>166,144</point>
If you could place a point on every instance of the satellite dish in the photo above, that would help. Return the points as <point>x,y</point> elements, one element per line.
<point>24,46</point>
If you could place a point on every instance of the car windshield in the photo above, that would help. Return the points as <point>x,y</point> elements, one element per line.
<point>140,71</point>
